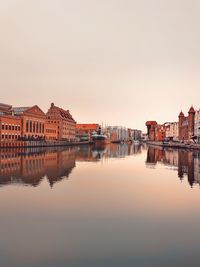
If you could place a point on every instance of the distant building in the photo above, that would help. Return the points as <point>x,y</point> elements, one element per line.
<point>116,133</point>
<point>135,135</point>
<point>85,131</point>
<point>187,125</point>
<point>66,125</point>
<point>155,131</point>
<point>172,130</point>
<point>197,126</point>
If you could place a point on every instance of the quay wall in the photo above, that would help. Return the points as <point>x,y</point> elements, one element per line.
<point>24,144</point>
<point>176,145</point>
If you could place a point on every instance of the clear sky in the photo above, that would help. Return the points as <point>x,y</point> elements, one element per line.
<point>118,61</point>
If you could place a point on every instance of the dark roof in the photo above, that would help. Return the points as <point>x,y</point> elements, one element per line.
<point>19,110</point>
<point>191,110</point>
<point>5,107</point>
<point>181,114</point>
<point>65,114</point>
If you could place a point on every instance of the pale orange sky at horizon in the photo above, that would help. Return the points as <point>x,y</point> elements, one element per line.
<point>112,61</point>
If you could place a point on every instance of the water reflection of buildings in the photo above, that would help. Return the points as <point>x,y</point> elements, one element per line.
<point>184,162</point>
<point>30,167</point>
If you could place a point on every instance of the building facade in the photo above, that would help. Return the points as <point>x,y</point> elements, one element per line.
<point>156,132</point>
<point>135,135</point>
<point>197,126</point>
<point>10,128</point>
<point>172,131</point>
<point>66,125</point>
<point>50,131</point>
<point>33,122</point>
<point>186,126</point>
<point>85,131</point>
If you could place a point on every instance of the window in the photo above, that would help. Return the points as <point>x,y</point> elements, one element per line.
<point>27,126</point>
<point>31,126</point>
<point>2,126</point>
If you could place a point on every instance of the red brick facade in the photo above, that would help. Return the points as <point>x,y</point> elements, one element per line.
<point>155,131</point>
<point>66,125</point>
<point>186,125</point>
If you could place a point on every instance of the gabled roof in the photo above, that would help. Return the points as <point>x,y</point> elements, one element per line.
<point>191,110</point>
<point>181,114</point>
<point>64,114</point>
<point>5,107</point>
<point>34,110</point>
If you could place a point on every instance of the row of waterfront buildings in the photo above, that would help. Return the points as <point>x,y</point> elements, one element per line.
<point>32,124</point>
<point>22,125</point>
<point>186,129</point>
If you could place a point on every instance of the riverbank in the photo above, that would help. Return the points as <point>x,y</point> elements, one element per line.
<point>176,145</point>
<point>27,144</point>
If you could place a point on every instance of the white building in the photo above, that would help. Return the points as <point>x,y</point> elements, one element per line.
<point>197,125</point>
<point>172,131</point>
<point>116,133</point>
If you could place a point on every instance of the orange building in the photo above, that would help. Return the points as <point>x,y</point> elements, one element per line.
<point>87,129</point>
<point>33,121</point>
<point>186,125</point>
<point>50,131</point>
<point>66,125</point>
<point>10,128</point>
<point>155,131</point>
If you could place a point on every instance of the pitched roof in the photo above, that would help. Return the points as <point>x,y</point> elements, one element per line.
<point>5,107</point>
<point>191,110</point>
<point>181,114</point>
<point>19,110</point>
<point>65,114</point>
<point>87,126</point>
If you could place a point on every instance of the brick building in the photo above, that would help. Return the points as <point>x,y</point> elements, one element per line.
<point>155,131</point>
<point>10,128</point>
<point>50,131</point>
<point>186,125</point>
<point>197,126</point>
<point>33,122</point>
<point>85,131</point>
<point>66,125</point>
<point>172,130</point>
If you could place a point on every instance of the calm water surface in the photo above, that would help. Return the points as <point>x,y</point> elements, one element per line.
<point>117,206</point>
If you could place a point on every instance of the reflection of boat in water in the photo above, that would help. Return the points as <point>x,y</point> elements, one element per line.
<point>100,139</point>
<point>136,142</point>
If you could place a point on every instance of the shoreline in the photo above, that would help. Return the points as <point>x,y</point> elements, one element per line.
<point>29,144</point>
<point>175,145</point>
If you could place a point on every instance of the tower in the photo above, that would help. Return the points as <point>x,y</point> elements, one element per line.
<point>191,120</point>
<point>181,118</point>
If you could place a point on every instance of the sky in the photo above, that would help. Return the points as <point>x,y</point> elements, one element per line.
<point>120,62</point>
